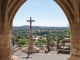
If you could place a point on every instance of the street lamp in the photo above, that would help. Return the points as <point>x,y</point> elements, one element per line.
<point>48,43</point>
<point>57,39</point>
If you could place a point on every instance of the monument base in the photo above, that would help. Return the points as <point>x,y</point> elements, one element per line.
<point>30,49</point>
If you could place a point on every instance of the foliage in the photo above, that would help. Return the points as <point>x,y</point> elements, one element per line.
<point>52,44</point>
<point>21,34</point>
<point>22,42</point>
<point>41,41</point>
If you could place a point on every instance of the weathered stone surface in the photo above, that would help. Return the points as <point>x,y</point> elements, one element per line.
<point>75,57</point>
<point>72,9</point>
<point>8,9</point>
<point>78,40</point>
<point>74,51</point>
<point>78,52</point>
<point>7,35</point>
<point>5,47</point>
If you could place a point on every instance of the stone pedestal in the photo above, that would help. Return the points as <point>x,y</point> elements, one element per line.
<point>5,47</point>
<point>31,48</point>
<point>75,42</point>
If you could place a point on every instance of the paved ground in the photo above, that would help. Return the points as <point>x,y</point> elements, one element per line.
<point>42,56</point>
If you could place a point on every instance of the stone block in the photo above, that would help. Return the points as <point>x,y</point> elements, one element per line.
<point>0,30</point>
<point>73,57</point>
<point>78,45</point>
<point>74,26</point>
<point>74,40</point>
<point>6,28</point>
<point>7,35</point>
<point>78,52</point>
<point>5,43</point>
<point>0,36</point>
<point>1,24</point>
<point>1,43</point>
<point>7,58</point>
<point>74,51</point>
<point>74,45</point>
<point>6,52</point>
<point>78,40</point>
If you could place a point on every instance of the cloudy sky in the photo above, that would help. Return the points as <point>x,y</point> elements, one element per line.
<point>44,12</point>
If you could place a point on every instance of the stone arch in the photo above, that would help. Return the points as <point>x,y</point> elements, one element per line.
<point>14,6</point>
<point>71,9</point>
<point>8,9</point>
<point>68,9</point>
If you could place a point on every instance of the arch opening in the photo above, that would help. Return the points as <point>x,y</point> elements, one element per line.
<point>53,17</point>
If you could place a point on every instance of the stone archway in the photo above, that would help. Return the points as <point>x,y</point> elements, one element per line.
<point>72,10</point>
<point>8,9</point>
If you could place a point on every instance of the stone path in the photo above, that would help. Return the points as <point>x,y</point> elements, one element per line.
<point>42,56</point>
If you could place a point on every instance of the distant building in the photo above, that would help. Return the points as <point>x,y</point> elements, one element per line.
<point>36,37</point>
<point>66,40</point>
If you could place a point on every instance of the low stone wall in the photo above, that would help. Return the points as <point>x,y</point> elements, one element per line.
<point>64,51</point>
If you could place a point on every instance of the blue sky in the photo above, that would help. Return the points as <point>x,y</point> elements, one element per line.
<point>44,12</point>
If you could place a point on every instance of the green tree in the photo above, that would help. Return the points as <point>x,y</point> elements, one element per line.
<point>22,42</point>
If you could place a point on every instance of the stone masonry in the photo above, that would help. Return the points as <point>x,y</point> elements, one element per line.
<point>72,10</point>
<point>8,9</point>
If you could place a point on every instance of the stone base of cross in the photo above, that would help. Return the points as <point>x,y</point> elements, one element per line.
<point>31,48</point>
